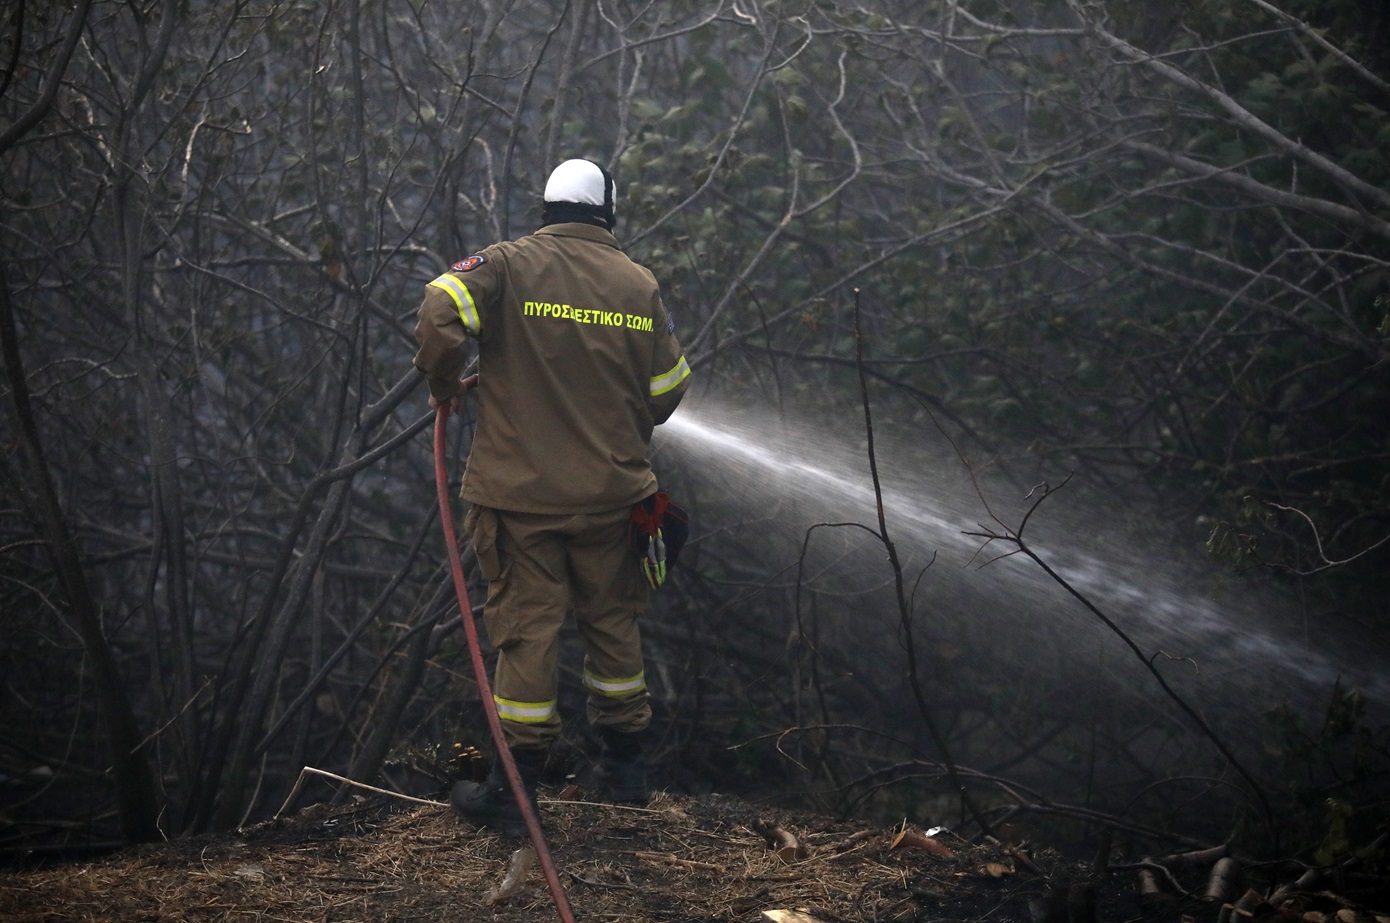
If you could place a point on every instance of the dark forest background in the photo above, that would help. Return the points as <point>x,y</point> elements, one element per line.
<point>1144,246</point>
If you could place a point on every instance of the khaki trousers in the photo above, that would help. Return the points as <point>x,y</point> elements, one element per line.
<point>540,567</point>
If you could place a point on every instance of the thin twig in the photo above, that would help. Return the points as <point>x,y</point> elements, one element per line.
<point>310,770</point>
<point>904,610</point>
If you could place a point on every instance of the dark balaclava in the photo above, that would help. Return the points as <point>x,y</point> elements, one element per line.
<point>580,191</point>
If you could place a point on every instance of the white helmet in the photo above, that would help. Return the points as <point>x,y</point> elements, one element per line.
<point>583,183</point>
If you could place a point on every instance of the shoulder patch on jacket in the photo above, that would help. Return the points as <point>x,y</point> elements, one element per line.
<point>472,262</point>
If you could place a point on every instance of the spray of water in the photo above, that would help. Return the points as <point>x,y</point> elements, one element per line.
<point>1233,644</point>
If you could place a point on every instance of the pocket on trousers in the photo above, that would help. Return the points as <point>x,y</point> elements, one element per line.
<point>481,526</point>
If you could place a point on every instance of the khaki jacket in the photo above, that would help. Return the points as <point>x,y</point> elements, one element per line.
<point>577,362</point>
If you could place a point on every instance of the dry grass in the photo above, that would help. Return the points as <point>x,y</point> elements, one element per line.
<point>377,860</point>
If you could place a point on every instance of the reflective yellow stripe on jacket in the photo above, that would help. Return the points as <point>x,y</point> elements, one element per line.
<point>468,311</point>
<point>663,383</point>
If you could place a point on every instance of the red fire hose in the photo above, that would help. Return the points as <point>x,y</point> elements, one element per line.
<point>494,723</point>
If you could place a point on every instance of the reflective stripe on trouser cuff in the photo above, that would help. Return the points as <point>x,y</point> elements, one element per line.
<point>525,712</point>
<point>615,688</point>
<point>463,300</point>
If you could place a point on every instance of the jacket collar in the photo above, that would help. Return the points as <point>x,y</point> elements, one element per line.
<point>583,231</point>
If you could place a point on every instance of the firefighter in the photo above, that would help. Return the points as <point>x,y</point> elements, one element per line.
<point>578,361</point>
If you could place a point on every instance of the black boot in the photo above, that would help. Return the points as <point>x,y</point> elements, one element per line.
<point>622,770</point>
<point>491,804</point>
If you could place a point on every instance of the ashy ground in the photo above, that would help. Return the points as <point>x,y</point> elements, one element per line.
<point>677,860</point>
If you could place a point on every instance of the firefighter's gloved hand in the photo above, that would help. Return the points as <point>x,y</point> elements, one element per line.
<point>454,403</point>
<point>656,530</point>
<point>654,561</point>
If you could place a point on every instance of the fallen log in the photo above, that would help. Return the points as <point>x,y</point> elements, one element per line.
<point>1225,881</point>
<point>1156,886</point>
